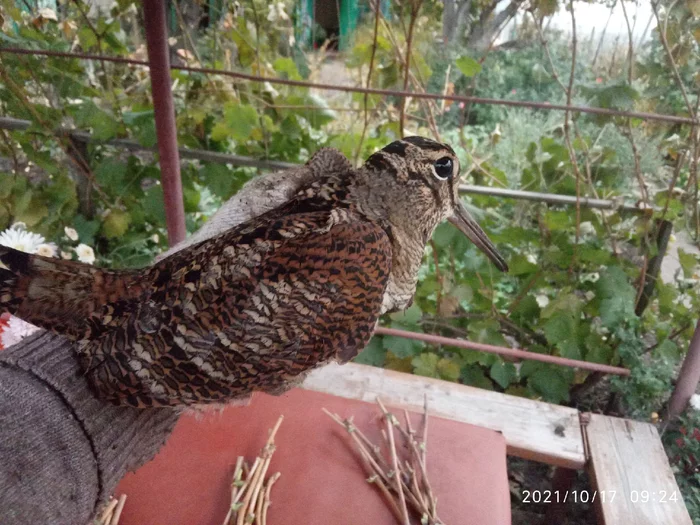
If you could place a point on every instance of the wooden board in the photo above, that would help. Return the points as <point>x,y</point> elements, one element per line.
<point>630,471</point>
<point>532,429</point>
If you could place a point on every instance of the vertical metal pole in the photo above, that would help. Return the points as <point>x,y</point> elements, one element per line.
<point>159,60</point>
<point>688,377</point>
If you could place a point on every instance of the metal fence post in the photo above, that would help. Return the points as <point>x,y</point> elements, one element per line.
<point>688,377</point>
<point>159,62</point>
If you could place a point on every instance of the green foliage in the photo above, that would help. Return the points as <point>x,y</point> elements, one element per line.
<point>617,298</point>
<point>574,280</point>
<point>468,66</point>
<point>123,205</point>
<point>682,443</point>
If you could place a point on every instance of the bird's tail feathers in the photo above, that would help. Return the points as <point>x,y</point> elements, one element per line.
<point>58,295</point>
<point>12,264</point>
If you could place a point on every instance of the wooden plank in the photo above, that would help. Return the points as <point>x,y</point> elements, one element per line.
<point>631,474</point>
<point>532,429</point>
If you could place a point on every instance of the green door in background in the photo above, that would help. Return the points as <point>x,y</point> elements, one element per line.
<point>349,14</point>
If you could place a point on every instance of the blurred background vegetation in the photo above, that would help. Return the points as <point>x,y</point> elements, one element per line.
<point>582,283</point>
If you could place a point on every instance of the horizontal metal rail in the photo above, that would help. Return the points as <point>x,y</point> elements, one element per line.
<point>14,124</point>
<point>240,160</point>
<point>500,350</point>
<point>550,198</point>
<point>371,91</point>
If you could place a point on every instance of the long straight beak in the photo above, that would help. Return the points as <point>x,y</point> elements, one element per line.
<point>468,226</point>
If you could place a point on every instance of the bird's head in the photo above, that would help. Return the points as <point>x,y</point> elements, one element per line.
<point>415,182</point>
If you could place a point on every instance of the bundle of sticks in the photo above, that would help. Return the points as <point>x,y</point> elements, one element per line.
<point>112,511</point>
<point>250,491</point>
<point>402,477</point>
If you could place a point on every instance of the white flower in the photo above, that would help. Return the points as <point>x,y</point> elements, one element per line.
<point>48,14</point>
<point>267,87</point>
<point>281,12</point>
<point>71,233</point>
<point>531,258</point>
<point>18,238</point>
<point>13,330</point>
<point>695,401</point>
<point>48,249</point>
<point>542,300</point>
<point>271,13</point>
<point>496,134</point>
<point>586,228</point>
<point>85,253</point>
<point>155,238</point>
<point>590,277</point>
<point>66,255</point>
<point>276,12</point>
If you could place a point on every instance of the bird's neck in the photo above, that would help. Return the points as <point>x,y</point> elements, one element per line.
<point>356,191</point>
<point>408,239</point>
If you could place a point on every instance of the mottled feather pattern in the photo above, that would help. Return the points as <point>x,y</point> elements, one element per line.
<point>254,308</point>
<point>53,293</point>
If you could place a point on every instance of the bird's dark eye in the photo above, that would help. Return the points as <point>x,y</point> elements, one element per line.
<point>443,168</point>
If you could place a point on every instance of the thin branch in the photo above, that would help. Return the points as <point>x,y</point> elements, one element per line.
<point>674,67</point>
<point>672,336</point>
<point>63,142</point>
<point>567,133</point>
<point>250,498</point>
<point>630,45</point>
<point>602,35</point>
<point>409,476</point>
<point>13,151</point>
<point>630,133</point>
<point>427,103</point>
<point>186,31</point>
<point>676,172</point>
<point>467,107</point>
<point>390,421</point>
<point>369,81</point>
<point>586,151</point>
<point>261,120</point>
<point>568,90</point>
<point>118,510</point>
<point>372,91</point>
<point>103,66</point>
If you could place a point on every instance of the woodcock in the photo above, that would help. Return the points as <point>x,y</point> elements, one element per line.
<point>258,306</point>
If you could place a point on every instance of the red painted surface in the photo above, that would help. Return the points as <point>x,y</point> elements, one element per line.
<point>322,482</point>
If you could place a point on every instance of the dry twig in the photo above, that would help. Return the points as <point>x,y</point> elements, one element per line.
<point>403,481</point>
<point>112,511</point>
<point>369,80</point>
<point>250,493</point>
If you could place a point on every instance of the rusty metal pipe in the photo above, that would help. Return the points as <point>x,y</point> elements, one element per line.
<point>372,91</point>
<point>159,63</point>
<point>688,377</point>
<point>510,352</point>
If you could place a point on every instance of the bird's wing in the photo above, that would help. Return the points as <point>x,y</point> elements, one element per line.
<point>252,309</point>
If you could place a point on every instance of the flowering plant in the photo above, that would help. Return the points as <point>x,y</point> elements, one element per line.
<point>13,329</point>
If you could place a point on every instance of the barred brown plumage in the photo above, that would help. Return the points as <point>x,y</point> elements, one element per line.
<point>257,307</point>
